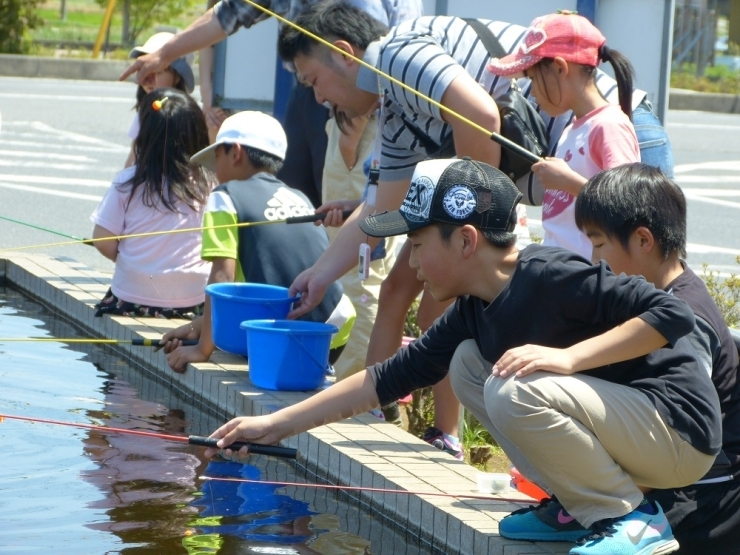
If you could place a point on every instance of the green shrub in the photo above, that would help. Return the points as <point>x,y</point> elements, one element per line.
<point>17,18</point>
<point>726,294</point>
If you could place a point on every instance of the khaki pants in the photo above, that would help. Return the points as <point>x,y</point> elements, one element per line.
<point>589,441</point>
<point>339,183</point>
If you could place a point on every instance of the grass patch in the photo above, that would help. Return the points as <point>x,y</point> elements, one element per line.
<point>717,79</point>
<point>83,20</point>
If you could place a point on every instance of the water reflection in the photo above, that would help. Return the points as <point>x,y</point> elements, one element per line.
<point>66,490</point>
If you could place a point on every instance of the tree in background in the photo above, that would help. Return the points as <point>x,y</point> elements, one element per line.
<point>17,18</point>
<point>139,15</point>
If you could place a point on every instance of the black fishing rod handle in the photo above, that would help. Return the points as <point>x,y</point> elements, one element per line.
<point>254,448</point>
<point>141,342</point>
<point>314,217</point>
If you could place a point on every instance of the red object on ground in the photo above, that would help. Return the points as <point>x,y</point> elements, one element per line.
<point>526,487</point>
<point>404,342</point>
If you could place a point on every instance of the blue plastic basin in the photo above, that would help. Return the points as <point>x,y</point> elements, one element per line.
<point>288,355</point>
<point>233,303</point>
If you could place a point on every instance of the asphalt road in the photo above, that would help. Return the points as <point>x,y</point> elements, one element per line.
<point>61,142</point>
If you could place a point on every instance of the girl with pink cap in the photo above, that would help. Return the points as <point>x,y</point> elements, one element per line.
<point>560,53</point>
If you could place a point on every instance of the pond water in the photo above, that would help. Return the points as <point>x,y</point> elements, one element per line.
<point>67,490</point>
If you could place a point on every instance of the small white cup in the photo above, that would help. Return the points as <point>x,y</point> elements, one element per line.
<point>493,482</point>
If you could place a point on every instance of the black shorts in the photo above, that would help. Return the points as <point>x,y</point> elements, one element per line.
<point>705,518</point>
<point>116,307</point>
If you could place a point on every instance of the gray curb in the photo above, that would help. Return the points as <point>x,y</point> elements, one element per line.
<point>14,65</point>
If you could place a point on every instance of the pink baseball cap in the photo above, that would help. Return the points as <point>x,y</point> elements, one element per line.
<point>567,35</point>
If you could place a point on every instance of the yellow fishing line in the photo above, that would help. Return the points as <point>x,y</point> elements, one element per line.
<point>147,234</point>
<point>372,68</point>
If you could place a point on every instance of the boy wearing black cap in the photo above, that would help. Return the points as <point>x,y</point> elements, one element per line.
<point>561,360</point>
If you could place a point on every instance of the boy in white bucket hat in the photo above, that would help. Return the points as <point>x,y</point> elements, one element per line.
<point>249,150</point>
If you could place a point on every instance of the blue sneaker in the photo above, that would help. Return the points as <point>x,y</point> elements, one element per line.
<point>637,533</point>
<point>548,522</point>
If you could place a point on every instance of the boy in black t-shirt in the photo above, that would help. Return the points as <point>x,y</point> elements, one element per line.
<point>636,220</point>
<point>561,360</point>
<point>248,152</point>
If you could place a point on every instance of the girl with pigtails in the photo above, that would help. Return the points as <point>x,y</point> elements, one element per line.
<point>560,54</point>
<point>159,276</point>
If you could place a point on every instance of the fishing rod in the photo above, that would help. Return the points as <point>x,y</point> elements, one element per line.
<point>496,137</point>
<point>253,448</point>
<point>140,342</point>
<point>292,220</point>
<point>368,489</point>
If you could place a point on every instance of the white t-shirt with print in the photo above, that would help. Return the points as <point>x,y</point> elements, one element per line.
<point>602,139</point>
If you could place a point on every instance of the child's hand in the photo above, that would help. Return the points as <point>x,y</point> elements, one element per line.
<point>334,211</point>
<point>257,429</point>
<point>524,360</point>
<point>311,286</point>
<point>554,173</point>
<point>170,340</point>
<point>180,356</point>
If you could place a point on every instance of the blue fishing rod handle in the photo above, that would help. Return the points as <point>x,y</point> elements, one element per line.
<point>254,448</point>
<point>314,217</point>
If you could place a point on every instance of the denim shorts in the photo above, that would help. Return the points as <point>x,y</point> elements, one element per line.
<point>655,148</point>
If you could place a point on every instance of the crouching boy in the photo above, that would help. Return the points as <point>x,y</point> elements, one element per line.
<point>565,364</point>
<point>636,219</point>
<point>249,150</point>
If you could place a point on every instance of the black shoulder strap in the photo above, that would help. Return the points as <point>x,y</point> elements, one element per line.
<point>488,39</point>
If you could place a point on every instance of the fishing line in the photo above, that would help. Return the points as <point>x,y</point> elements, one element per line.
<point>500,139</point>
<point>254,448</point>
<point>360,488</point>
<point>80,239</point>
<point>292,220</point>
<point>141,342</point>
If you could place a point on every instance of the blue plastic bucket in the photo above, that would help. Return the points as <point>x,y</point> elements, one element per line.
<point>288,355</point>
<point>233,303</point>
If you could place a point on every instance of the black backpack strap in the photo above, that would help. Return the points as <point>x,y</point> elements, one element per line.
<point>487,37</point>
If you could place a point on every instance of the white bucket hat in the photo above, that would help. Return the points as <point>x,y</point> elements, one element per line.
<point>252,129</point>
<point>180,65</point>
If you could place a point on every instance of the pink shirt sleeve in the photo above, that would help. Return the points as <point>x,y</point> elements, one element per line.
<point>111,212</point>
<point>613,143</point>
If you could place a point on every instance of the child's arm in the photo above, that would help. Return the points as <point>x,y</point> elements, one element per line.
<point>555,173</point>
<point>634,338</point>
<point>346,398</point>
<point>222,270</point>
<point>108,248</point>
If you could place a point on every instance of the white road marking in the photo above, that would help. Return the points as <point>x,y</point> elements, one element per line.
<point>49,192</point>
<point>45,165</point>
<point>71,98</point>
<point>45,155</point>
<point>54,180</point>
<point>707,179</point>
<point>703,126</point>
<point>37,144</point>
<point>725,165</point>
<point>710,200</point>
